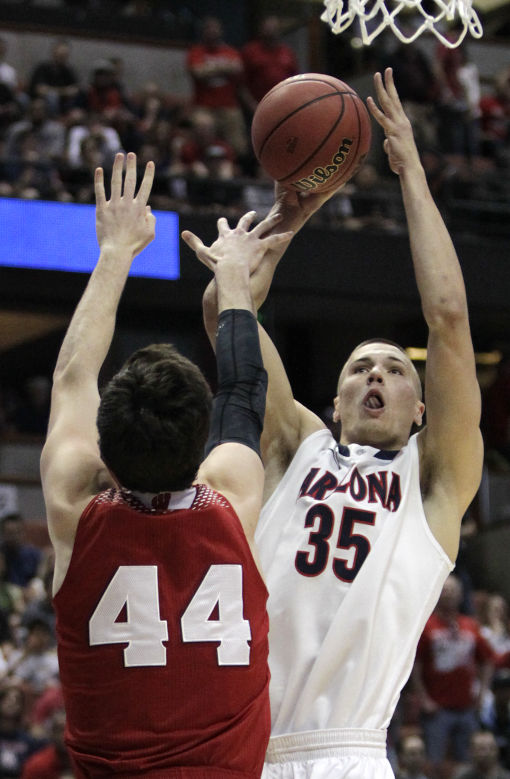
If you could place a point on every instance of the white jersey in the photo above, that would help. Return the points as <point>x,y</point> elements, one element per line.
<point>353,573</point>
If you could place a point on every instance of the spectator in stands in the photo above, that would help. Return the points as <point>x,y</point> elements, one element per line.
<point>36,664</point>
<point>48,135</point>
<point>11,595</point>
<point>452,672</point>
<point>484,762</point>
<point>104,96</point>
<point>459,102</point>
<point>41,608</point>
<point>8,74</point>
<point>495,626</point>
<point>495,122</point>
<point>104,140</point>
<point>412,758</point>
<point>495,713</point>
<point>10,109</point>
<point>206,161</point>
<point>55,81</point>
<point>21,559</point>
<point>10,106</point>
<point>204,154</point>
<point>16,742</point>
<point>117,64</point>
<point>51,762</point>
<point>217,73</point>
<point>267,60</point>
<point>151,104</point>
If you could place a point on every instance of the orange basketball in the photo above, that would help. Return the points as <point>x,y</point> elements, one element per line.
<point>311,132</point>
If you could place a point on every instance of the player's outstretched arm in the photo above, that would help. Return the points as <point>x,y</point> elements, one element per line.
<point>284,420</point>
<point>451,449</point>
<point>233,465</point>
<point>71,468</point>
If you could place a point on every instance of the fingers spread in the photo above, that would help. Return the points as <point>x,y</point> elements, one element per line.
<point>374,109</point>
<point>146,185</point>
<point>130,177</point>
<point>246,220</point>
<point>193,241</point>
<point>276,240</point>
<point>117,176</point>
<point>223,227</point>
<point>204,257</point>
<point>99,187</point>
<point>266,224</point>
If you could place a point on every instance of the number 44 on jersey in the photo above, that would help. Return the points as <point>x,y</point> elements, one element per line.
<point>136,588</point>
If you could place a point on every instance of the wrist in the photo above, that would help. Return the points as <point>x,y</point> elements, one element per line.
<point>112,248</point>
<point>413,175</point>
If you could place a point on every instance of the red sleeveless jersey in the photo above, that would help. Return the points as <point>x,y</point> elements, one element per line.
<point>162,639</point>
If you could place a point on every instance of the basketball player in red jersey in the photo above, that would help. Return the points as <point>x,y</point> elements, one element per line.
<point>161,619</point>
<point>357,536</point>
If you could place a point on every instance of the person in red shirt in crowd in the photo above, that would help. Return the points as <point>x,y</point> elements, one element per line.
<point>267,60</point>
<point>51,762</point>
<point>103,96</point>
<point>203,146</point>
<point>452,672</point>
<point>217,73</point>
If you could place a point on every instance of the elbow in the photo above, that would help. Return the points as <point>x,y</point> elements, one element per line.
<point>70,372</point>
<point>446,313</point>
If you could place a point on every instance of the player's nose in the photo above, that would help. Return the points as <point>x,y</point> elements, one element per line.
<point>375,375</point>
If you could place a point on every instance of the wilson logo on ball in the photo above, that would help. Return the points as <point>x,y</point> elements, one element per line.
<point>320,175</point>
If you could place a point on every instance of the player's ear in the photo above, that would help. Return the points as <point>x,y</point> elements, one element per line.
<point>420,410</point>
<point>336,412</point>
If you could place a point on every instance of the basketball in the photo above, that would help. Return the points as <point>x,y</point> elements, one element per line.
<point>311,132</point>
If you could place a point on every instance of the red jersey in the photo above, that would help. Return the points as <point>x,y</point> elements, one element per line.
<point>162,637</point>
<point>265,66</point>
<point>218,90</point>
<point>450,655</point>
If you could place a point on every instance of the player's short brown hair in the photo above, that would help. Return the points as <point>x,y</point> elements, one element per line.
<point>153,420</point>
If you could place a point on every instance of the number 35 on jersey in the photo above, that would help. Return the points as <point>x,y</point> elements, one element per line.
<point>136,588</point>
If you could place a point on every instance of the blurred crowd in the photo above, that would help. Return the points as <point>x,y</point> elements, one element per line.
<point>55,128</point>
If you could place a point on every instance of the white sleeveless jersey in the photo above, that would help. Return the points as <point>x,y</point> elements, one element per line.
<point>353,573</point>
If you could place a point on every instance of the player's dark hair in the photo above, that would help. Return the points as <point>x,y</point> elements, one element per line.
<point>153,420</point>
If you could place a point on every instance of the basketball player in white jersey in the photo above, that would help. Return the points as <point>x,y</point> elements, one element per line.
<point>357,537</point>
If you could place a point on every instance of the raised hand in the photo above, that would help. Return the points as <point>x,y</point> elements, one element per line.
<point>125,220</point>
<point>399,143</point>
<point>239,245</point>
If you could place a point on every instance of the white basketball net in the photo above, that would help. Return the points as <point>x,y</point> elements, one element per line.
<point>374,17</point>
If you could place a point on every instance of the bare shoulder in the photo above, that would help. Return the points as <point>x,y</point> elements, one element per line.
<point>235,470</point>
<point>71,476</point>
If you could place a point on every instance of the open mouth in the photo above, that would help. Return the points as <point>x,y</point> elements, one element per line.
<point>373,400</point>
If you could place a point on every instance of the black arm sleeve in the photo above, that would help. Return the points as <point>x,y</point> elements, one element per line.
<point>240,401</point>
